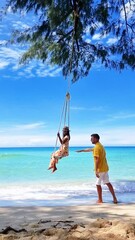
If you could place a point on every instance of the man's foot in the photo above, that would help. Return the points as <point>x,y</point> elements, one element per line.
<point>99,201</point>
<point>115,201</point>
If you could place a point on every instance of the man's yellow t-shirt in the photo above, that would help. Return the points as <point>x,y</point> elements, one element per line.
<point>99,151</point>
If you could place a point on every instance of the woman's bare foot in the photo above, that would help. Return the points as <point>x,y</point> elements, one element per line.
<point>54,169</point>
<point>50,168</point>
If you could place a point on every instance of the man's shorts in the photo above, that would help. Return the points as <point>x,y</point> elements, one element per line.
<point>103,177</point>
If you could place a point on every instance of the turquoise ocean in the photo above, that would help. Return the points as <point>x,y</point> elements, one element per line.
<point>25,180</point>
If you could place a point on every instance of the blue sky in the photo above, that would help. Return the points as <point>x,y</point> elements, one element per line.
<point>31,99</point>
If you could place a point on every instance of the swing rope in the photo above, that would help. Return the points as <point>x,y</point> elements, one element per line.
<point>65,109</point>
<point>66,105</point>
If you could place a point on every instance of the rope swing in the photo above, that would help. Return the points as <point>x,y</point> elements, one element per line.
<point>63,150</point>
<point>65,115</point>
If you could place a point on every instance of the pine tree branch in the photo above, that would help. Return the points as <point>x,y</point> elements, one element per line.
<point>77,45</point>
<point>76,19</point>
<point>71,4</point>
<point>64,36</point>
<point>132,28</point>
<point>125,14</point>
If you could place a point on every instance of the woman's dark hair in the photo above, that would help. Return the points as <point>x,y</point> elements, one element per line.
<point>66,132</point>
<point>95,135</point>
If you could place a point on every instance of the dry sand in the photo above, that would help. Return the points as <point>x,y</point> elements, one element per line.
<point>94,222</point>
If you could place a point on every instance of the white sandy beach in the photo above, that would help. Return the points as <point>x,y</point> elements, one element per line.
<point>105,221</point>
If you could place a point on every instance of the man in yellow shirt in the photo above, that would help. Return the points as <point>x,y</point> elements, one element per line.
<point>101,167</point>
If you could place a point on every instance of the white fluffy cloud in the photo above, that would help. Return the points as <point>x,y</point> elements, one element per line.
<point>18,135</point>
<point>3,42</point>
<point>10,53</point>
<point>88,40</point>
<point>9,10</point>
<point>25,136</point>
<point>3,64</point>
<point>113,136</point>
<point>49,70</point>
<point>130,9</point>
<point>119,136</point>
<point>98,36</point>
<point>109,137</point>
<point>118,116</point>
<point>30,126</point>
<point>20,25</point>
<point>9,57</point>
<point>76,108</point>
<point>112,40</point>
<point>24,128</point>
<point>26,140</point>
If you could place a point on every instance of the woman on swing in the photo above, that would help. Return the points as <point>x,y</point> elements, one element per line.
<point>62,151</point>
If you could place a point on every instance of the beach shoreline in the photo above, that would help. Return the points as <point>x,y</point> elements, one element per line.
<point>37,205</point>
<point>33,219</point>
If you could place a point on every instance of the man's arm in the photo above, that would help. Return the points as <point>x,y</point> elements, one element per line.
<point>96,166</point>
<point>85,150</point>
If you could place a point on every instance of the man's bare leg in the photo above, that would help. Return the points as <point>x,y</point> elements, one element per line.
<point>109,185</point>
<point>99,191</point>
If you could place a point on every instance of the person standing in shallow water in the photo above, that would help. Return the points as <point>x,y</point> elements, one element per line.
<point>101,167</point>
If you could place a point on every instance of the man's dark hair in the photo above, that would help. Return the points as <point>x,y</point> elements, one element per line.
<point>95,135</point>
